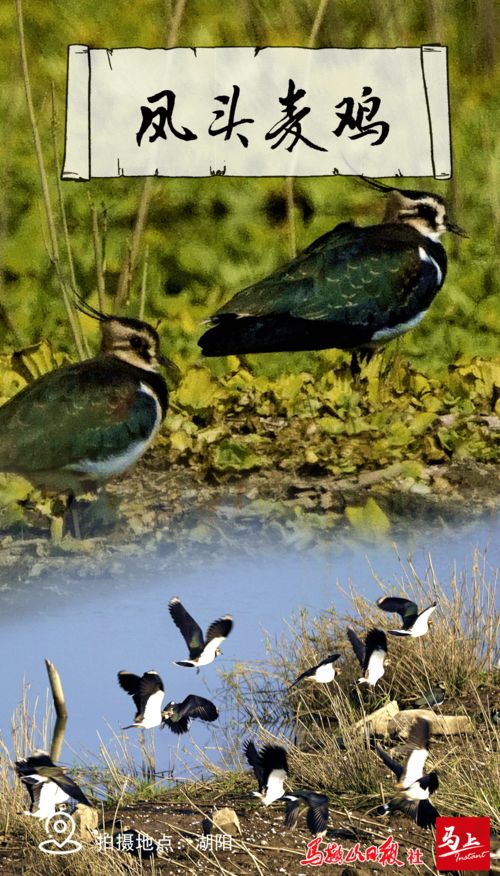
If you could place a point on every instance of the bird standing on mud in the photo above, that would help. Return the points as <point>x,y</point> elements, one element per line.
<point>354,288</point>
<point>82,423</point>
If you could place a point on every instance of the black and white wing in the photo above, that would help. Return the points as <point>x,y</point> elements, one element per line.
<point>375,648</point>
<point>357,645</point>
<point>392,764</point>
<point>317,814</point>
<point>190,630</point>
<point>254,759</point>
<point>293,808</point>
<point>141,688</point>
<point>422,812</point>
<point>407,610</point>
<point>418,742</point>
<point>192,707</point>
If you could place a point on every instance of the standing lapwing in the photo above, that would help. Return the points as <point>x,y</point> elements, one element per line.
<point>371,655</point>
<point>323,672</point>
<point>317,810</point>
<point>178,716</point>
<point>353,288</point>
<point>147,692</point>
<point>414,785</point>
<point>270,766</point>
<point>201,651</point>
<point>82,423</point>
<point>48,785</point>
<point>415,623</point>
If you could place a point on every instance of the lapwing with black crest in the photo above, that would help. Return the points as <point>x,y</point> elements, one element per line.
<point>270,766</point>
<point>415,622</point>
<point>415,786</point>
<point>323,673</point>
<point>372,654</point>
<point>75,427</point>
<point>202,651</point>
<point>354,288</point>
<point>48,784</point>
<point>315,805</point>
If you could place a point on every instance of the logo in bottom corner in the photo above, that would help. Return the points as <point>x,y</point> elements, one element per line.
<point>462,843</point>
<point>60,827</point>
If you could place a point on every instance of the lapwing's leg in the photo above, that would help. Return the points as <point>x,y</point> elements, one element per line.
<point>73,511</point>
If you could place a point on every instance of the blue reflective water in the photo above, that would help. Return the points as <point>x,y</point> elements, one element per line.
<point>95,628</point>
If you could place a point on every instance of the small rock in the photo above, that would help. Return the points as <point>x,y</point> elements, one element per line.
<point>86,819</point>
<point>222,821</point>
<point>442,725</point>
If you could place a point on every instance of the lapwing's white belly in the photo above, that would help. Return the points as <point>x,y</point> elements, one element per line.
<point>325,674</point>
<point>152,712</point>
<point>421,624</point>
<point>274,788</point>
<point>50,797</point>
<point>375,667</point>
<point>208,653</point>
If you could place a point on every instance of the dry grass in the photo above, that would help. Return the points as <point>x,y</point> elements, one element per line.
<point>458,652</point>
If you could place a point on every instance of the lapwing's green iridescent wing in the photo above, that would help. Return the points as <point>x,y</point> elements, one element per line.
<point>88,411</point>
<point>350,275</point>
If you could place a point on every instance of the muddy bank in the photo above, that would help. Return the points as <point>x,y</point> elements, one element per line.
<point>158,514</point>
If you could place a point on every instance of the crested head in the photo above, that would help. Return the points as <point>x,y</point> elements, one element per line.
<point>424,211</point>
<point>131,340</point>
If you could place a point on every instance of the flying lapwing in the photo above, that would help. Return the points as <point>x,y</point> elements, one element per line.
<point>73,428</point>
<point>414,785</point>
<point>147,692</point>
<point>317,810</point>
<point>270,766</point>
<point>48,785</point>
<point>324,672</point>
<point>201,651</point>
<point>178,716</point>
<point>354,288</point>
<point>371,655</point>
<point>415,623</point>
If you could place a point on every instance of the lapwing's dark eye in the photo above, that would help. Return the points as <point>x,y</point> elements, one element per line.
<point>136,342</point>
<point>427,212</point>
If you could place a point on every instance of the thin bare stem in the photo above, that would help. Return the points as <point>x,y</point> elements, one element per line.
<point>54,247</point>
<point>317,22</point>
<point>64,220</point>
<point>101,286</point>
<point>142,303</point>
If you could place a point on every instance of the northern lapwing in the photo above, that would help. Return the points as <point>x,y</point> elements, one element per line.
<point>371,655</point>
<point>433,696</point>
<point>414,785</point>
<point>316,806</point>
<point>415,623</point>
<point>201,651</point>
<point>147,692</point>
<point>48,784</point>
<point>354,288</point>
<point>270,766</point>
<point>80,424</point>
<point>324,672</point>
<point>178,716</point>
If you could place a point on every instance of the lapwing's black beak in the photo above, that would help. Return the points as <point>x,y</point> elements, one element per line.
<point>455,229</point>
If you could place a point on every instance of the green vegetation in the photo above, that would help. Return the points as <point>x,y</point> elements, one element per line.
<point>431,397</point>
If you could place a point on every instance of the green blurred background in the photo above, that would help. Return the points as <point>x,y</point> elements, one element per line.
<point>208,238</point>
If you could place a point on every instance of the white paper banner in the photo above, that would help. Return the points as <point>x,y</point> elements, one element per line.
<point>257,112</point>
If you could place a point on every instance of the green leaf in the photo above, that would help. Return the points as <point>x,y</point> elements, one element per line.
<point>369,521</point>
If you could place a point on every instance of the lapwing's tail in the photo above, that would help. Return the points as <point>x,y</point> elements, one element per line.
<point>186,663</point>
<point>399,632</point>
